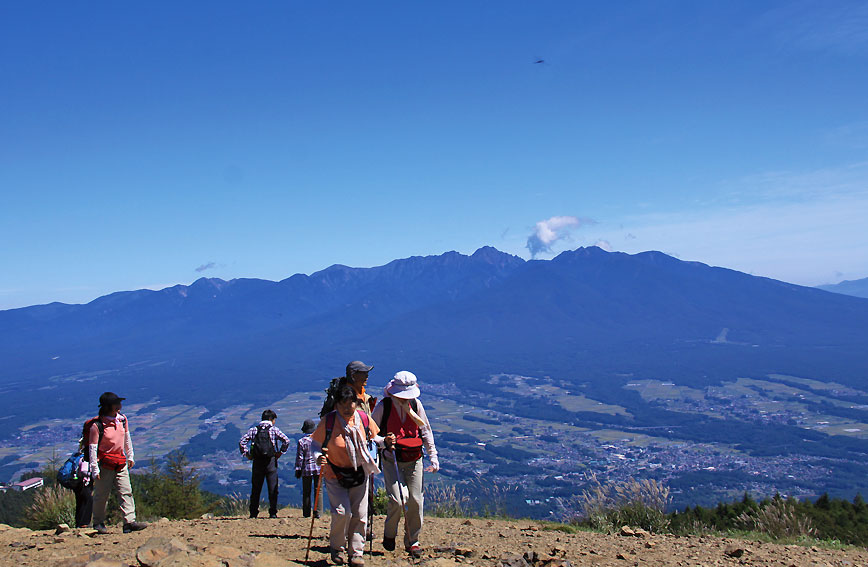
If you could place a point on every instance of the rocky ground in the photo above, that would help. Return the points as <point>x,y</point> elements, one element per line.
<point>242,542</point>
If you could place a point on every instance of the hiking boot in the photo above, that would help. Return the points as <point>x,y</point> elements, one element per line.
<point>389,543</point>
<point>337,557</point>
<point>134,527</point>
<point>252,515</point>
<point>272,516</point>
<point>100,529</point>
<point>316,515</point>
<point>357,561</point>
<point>415,551</point>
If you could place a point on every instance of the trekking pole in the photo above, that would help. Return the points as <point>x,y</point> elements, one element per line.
<point>313,515</point>
<point>371,513</point>
<point>400,488</point>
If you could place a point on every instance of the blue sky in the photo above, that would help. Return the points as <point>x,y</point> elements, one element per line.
<point>139,142</point>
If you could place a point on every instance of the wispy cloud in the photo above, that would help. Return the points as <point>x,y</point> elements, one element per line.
<point>808,242</point>
<point>208,266</point>
<point>853,135</point>
<point>840,27</point>
<point>805,227</point>
<point>846,181</point>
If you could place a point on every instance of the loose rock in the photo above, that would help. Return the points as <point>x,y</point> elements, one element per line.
<point>513,560</point>
<point>158,548</point>
<point>734,551</point>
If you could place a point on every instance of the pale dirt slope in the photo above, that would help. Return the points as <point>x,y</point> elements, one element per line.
<point>447,542</point>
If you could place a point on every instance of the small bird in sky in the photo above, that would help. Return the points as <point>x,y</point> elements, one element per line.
<point>538,61</point>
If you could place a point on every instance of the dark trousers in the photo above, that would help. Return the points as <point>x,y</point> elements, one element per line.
<point>264,470</point>
<point>83,504</point>
<point>308,492</point>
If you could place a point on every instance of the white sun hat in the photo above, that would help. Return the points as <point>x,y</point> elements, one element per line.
<point>403,386</point>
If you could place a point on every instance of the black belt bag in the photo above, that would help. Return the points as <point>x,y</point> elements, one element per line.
<point>348,477</point>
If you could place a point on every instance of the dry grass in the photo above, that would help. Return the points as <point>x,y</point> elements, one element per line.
<point>779,519</point>
<point>235,505</point>
<point>51,506</point>
<point>446,501</point>
<point>637,503</point>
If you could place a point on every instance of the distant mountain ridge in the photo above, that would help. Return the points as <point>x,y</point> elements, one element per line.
<point>585,315</point>
<point>856,288</point>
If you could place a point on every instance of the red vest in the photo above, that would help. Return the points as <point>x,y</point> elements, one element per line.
<point>401,428</point>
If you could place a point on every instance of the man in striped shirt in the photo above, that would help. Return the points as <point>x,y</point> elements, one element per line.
<point>260,445</point>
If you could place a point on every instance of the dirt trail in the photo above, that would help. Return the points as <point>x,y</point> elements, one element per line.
<point>447,543</point>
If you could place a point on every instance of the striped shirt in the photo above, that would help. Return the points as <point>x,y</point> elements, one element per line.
<point>305,461</point>
<point>273,432</point>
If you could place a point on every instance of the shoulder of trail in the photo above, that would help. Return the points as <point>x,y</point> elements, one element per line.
<point>262,542</point>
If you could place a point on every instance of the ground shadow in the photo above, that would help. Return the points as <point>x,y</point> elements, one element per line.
<point>281,536</point>
<point>320,563</point>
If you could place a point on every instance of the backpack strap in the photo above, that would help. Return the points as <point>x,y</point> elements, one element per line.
<point>86,434</point>
<point>330,425</point>
<point>366,423</point>
<point>387,410</point>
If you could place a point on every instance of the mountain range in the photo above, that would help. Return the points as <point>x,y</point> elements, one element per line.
<point>856,288</point>
<point>586,315</point>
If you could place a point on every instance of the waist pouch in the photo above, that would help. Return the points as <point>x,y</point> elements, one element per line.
<point>408,449</point>
<point>348,477</point>
<point>113,460</point>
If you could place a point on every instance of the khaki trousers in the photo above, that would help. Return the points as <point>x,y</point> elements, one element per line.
<point>349,508</point>
<point>108,478</point>
<point>411,478</point>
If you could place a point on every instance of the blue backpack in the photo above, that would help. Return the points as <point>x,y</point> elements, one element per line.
<point>68,476</point>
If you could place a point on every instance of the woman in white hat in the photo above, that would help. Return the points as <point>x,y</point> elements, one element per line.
<point>406,430</point>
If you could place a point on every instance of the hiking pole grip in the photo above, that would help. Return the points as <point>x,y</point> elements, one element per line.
<point>313,515</point>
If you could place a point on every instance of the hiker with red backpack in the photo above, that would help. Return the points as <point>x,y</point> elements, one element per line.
<point>341,443</point>
<point>260,445</point>
<point>406,429</point>
<point>110,457</point>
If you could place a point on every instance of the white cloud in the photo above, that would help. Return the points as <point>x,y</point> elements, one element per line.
<point>549,231</point>
<point>604,244</point>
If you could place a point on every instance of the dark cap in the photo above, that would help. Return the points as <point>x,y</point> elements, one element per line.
<point>357,366</point>
<point>309,426</point>
<point>109,399</point>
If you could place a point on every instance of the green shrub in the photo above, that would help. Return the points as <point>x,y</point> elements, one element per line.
<point>380,501</point>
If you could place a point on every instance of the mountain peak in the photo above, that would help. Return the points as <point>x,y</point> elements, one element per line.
<point>491,255</point>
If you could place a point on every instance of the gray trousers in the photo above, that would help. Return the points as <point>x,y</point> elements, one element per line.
<point>349,508</point>
<point>411,478</point>
<point>108,478</point>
